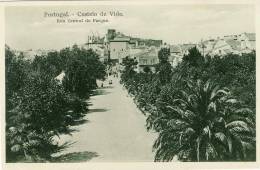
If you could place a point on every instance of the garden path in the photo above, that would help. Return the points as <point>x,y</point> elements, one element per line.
<point>115,130</point>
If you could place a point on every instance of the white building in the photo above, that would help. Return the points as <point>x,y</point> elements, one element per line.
<point>186,47</point>
<point>229,44</point>
<point>206,47</point>
<point>175,55</point>
<point>119,48</point>
<point>248,41</point>
<point>226,46</point>
<point>147,58</point>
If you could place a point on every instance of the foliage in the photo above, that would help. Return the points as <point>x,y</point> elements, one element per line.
<point>39,107</point>
<point>163,55</point>
<point>82,71</point>
<point>204,123</point>
<point>50,64</point>
<point>82,67</point>
<point>147,69</point>
<point>237,73</point>
<point>196,119</point>
<point>129,65</point>
<point>16,72</point>
<point>164,68</point>
<point>194,57</point>
<point>39,110</point>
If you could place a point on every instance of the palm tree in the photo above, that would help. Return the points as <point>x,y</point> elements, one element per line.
<point>203,123</point>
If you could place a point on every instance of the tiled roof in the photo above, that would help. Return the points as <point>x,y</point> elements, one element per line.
<point>227,51</point>
<point>186,47</point>
<point>251,36</point>
<point>97,40</point>
<point>236,45</point>
<point>175,49</point>
<point>151,53</point>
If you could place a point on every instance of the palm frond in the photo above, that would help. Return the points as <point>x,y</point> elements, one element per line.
<point>210,151</point>
<point>221,136</point>
<point>177,124</point>
<point>244,110</point>
<point>237,126</point>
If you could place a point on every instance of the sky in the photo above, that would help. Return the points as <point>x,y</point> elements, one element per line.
<point>27,28</point>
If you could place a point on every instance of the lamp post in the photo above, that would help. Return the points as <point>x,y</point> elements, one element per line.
<point>203,47</point>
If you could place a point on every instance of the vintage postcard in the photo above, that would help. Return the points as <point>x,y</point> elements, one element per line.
<point>129,83</point>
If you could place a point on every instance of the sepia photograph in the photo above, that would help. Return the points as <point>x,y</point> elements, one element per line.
<point>130,83</point>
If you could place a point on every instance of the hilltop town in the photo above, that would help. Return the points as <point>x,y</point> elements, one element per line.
<point>115,46</point>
